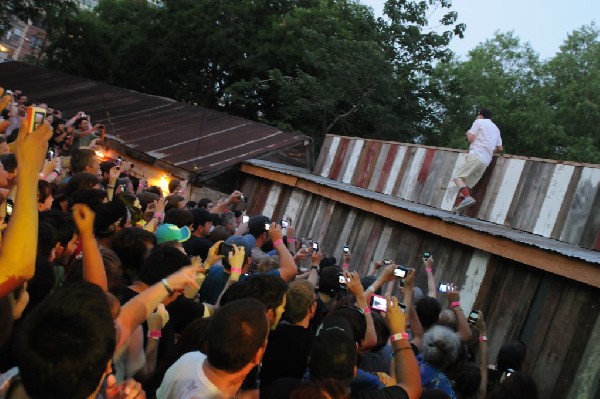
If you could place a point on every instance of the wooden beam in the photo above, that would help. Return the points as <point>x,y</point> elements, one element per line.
<point>571,268</point>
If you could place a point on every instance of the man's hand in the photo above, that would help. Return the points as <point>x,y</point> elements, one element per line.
<point>388,273</point>
<point>84,219</point>
<point>301,254</point>
<point>290,231</point>
<point>355,287</point>
<point>453,294</point>
<point>31,148</point>
<point>213,254</point>
<point>237,257</point>
<point>185,277</point>
<point>480,325</point>
<point>275,232</point>
<point>428,262</point>
<point>159,206</point>
<point>395,317</point>
<point>234,197</point>
<point>409,280</point>
<point>159,318</point>
<point>128,389</point>
<point>316,258</point>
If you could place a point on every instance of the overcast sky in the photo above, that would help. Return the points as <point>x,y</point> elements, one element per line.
<point>543,23</point>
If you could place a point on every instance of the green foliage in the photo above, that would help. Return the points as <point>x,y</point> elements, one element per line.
<point>548,110</point>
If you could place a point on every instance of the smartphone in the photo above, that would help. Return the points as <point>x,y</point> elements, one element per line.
<point>267,226</point>
<point>9,208</point>
<point>224,249</point>
<point>426,255</point>
<point>387,262</point>
<point>284,223</point>
<point>315,246</point>
<point>342,280</point>
<point>378,302</point>
<point>245,219</point>
<point>50,155</point>
<point>243,198</point>
<point>118,163</point>
<point>35,117</point>
<point>473,317</point>
<point>346,250</point>
<point>401,272</point>
<point>444,287</point>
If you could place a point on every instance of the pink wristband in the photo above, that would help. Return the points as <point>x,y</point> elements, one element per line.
<point>399,337</point>
<point>159,216</point>
<point>454,304</point>
<point>428,269</point>
<point>236,270</point>
<point>291,240</point>
<point>154,334</point>
<point>277,242</point>
<point>483,338</point>
<point>367,310</point>
<point>345,266</point>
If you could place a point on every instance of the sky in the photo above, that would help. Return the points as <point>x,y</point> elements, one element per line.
<point>545,24</point>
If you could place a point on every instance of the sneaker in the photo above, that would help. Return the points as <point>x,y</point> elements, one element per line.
<point>466,202</point>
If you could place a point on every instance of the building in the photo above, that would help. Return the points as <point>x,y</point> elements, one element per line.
<point>22,41</point>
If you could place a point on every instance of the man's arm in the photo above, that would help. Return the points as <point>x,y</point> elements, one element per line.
<point>405,364</point>
<point>287,266</point>
<point>19,246</point>
<point>355,287</point>
<point>93,264</point>
<point>462,324</point>
<point>223,206</point>
<point>431,287</point>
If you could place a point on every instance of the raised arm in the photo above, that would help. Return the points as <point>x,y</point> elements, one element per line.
<point>462,324</point>
<point>19,246</point>
<point>405,364</point>
<point>355,287</point>
<point>431,286</point>
<point>93,265</point>
<point>287,266</point>
<point>483,356</point>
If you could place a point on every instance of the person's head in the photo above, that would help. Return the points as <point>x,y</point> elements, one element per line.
<point>110,219</point>
<point>66,233</point>
<point>202,222</point>
<point>206,203</point>
<point>300,301</point>
<point>4,149</point>
<point>9,164</point>
<point>448,319</point>
<point>82,124</point>
<point>352,315</point>
<point>133,205</point>
<point>171,234</point>
<point>467,380</point>
<point>163,261</point>
<point>44,195</point>
<point>333,355</point>
<point>112,267</point>
<point>240,242</point>
<point>85,160</point>
<point>133,245</point>
<point>270,290</point>
<point>174,202</point>
<point>515,386</point>
<point>92,197</point>
<point>81,181</point>
<point>511,356</point>
<point>229,222</point>
<point>174,185</point>
<point>70,358</point>
<point>237,335</point>
<point>218,233</point>
<point>257,227</point>
<point>441,347</point>
<point>47,240</point>
<point>268,264</point>
<point>179,217</point>
<point>329,283</point>
<point>428,309</point>
<point>485,113</point>
<point>105,167</point>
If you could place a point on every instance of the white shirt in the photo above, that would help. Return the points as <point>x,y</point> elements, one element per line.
<point>487,138</point>
<point>185,379</point>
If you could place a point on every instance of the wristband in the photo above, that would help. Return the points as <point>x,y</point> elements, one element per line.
<point>110,186</point>
<point>159,216</point>
<point>236,270</point>
<point>455,304</point>
<point>483,338</point>
<point>399,337</point>
<point>345,266</point>
<point>165,284</point>
<point>277,242</point>
<point>428,269</point>
<point>154,334</point>
<point>317,268</point>
<point>367,310</point>
<point>291,240</point>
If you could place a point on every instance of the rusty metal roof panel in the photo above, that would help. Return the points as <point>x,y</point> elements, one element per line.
<point>179,134</point>
<point>483,226</point>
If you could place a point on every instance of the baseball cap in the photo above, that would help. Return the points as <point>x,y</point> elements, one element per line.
<point>256,225</point>
<point>333,355</point>
<point>240,241</point>
<point>170,232</point>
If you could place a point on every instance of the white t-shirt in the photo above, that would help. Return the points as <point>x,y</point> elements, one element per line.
<point>185,379</point>
<point>487,138</point>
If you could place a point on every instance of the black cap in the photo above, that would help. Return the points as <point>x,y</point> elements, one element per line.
<point>256,225</point>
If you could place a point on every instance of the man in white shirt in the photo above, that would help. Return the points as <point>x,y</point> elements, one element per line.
<point>237,338</point>
<point>484,137</point>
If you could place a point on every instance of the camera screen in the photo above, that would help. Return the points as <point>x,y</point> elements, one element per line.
<point>379,303</point>
<point>346,249</point>
<point>387,262</point>
<point>315,246</point>
<point>342,279</point>
<point>267,226</point>
<point>284,224</point>
<point>443,287</point>
<point>245,219</point>
<point>400,272</point>
<point>426,255</point>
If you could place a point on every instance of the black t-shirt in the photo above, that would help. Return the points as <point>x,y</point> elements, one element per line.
<point>197,246</point>
<point>286,354</point>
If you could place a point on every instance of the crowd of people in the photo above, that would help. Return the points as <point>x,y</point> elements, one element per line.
<point>110,289</point>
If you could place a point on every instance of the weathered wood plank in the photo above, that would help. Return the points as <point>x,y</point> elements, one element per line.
<point>394,174</point>
<point>586,383</point>
<point>409,180</point>
<point>366,164</point>
<point>338,159</point>
<point>506,189</point>
<point>473,279</point>
<point>452,191</point>
<point>326,155</point>
<point>581,206</point>
<point>352,161</point>
<point>552,202</point>
<point>376,177</point>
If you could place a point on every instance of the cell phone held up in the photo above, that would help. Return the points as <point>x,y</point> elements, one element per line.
<point>426,255</point>
<point>346,250</point>
<point>444,287</point>
<point>225,249</point>
<point>473,317</point>
<point>343,281</point>
<point>378,302</point>
<point>401,272</point>
<point>35,118</point>
<point>315,246</point>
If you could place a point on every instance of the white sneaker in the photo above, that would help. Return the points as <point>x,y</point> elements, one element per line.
<point>465,203</point>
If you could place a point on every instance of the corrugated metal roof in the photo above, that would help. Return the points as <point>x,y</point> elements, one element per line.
<point>482,226</point>
<point>179,134</point>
